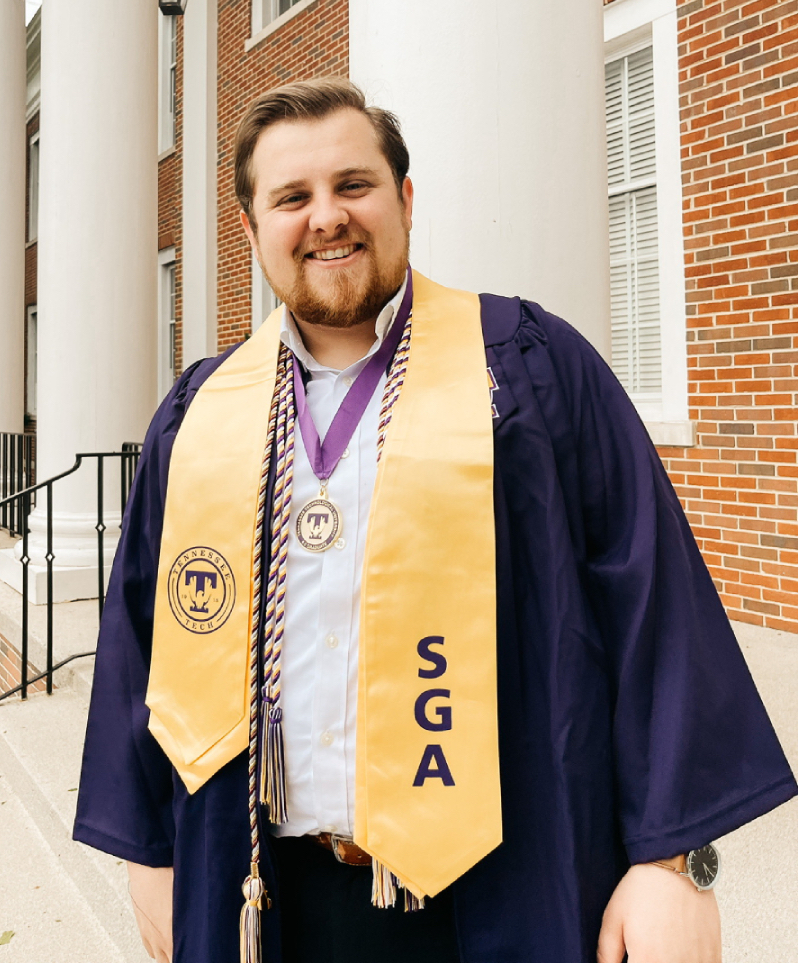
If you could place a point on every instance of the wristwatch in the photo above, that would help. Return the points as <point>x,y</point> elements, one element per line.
<point>703,867</point>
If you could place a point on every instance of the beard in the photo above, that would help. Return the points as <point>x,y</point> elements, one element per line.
<point>348,298</point>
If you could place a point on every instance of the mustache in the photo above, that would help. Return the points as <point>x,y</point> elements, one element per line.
<point>341,239</point>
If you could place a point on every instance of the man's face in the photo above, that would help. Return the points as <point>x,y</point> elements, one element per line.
<point>332,230</point>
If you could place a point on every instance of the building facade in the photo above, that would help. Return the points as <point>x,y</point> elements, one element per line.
<point>683,231</point>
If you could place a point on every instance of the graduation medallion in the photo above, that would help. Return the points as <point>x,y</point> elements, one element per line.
<point>318,524</point>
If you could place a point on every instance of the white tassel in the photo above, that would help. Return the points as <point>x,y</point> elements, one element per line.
<point>250,917</point>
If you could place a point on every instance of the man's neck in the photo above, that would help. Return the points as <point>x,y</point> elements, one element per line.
<point>337,347</point>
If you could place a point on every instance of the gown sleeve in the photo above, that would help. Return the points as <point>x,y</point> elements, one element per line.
<point>125,795</point>
<point>695,753</point>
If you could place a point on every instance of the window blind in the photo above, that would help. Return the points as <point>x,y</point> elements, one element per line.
<point>634,265</point>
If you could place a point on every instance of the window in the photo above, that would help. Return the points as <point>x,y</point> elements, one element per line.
<point>634,254</point>
<point>31,363</point>
<point>33,188</point>
<point>641,42</point>
<point>167,297</point>
<point>167,81</point>
<point>265,12</point>
<point>264,300</point>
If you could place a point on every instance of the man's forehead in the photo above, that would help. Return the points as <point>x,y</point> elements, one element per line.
<point>294,150</point>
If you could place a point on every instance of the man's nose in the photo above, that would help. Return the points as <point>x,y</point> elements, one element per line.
<point>327,214</point>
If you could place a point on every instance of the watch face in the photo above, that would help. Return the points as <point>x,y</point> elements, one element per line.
<point>703,866</point>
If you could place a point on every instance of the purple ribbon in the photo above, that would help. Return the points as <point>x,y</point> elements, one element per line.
<point>324,457</point>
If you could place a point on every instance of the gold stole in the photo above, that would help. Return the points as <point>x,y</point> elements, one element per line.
<point>427,774</point>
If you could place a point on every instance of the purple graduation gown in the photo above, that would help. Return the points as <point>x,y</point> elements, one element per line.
<point>629,726</point>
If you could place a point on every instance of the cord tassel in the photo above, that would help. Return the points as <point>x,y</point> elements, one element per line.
<point>250,917</point>
<point>263,744</point>
<point>275,768</point>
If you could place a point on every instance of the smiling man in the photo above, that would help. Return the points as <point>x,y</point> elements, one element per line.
<point>420,651</point>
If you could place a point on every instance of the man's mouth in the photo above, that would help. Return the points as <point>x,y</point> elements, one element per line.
<point>334,254</point>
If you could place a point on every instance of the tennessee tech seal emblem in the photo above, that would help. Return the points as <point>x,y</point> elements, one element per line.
<point>318,525</point>
<point>202,589</point>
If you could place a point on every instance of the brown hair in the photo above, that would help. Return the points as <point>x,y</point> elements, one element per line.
<point>312,100</point>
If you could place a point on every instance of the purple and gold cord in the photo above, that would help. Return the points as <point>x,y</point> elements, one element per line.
<point>253,889</point>
<point>272,790</point>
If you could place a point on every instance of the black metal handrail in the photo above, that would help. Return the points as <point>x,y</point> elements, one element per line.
<point>17,471</point>
<point>129,457</point>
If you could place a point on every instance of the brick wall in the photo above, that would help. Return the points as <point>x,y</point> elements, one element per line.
<point>739,123</point>
<point>10,669</point>
<point>170,200</point>
<point>314,43</point>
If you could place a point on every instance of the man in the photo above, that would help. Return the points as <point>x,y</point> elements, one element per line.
<point>418,513</point>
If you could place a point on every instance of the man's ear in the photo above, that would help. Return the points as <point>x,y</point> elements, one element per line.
<point>249,232</point>
<point>407,201</point>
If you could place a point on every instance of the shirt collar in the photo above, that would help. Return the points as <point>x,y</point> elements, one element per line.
<point>291,338</point>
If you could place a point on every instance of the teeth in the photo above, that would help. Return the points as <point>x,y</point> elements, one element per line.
<point>332,255</point>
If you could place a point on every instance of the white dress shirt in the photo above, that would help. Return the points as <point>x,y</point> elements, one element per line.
<point>322,605</point>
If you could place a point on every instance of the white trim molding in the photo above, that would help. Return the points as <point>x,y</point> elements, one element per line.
<point>628,26</point>
<point>672,434</point>
<point>275,25</point>
<point>166,261</point>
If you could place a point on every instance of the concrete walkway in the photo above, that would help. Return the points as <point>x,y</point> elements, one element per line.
<point>65,903</point>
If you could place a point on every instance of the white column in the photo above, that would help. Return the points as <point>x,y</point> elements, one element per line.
<point>12,214</point>
<point>199,180</point>
<point>97,260</point>
<point>502,106</point>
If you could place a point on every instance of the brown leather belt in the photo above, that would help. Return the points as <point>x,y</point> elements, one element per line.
<point>344,850</point>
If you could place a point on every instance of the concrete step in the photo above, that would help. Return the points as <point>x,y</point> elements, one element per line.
<point>65,902</point>
<point>75,627</point>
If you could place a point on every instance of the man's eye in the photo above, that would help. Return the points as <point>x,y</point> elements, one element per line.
<point>292,199</point>
<point>355,186</point>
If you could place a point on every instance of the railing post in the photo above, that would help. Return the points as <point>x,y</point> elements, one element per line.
<point>17,466</point>
<point>4,510</point>
<point>25,559</point>
<point>49,558</point>
<point>100,530</point>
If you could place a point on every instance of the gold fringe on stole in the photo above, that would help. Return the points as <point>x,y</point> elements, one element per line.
<point>384,889</point>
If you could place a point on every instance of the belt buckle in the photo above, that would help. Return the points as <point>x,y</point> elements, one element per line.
<point>336,839</point>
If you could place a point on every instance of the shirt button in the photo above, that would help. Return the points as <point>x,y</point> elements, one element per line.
<point>348,381</point>
<point>341,543</point>
<point>327,738</point>
<point>332,641</point>
<point>345,453</point>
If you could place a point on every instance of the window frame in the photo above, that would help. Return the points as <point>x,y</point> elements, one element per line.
<point>167,322</point>
<point>265,18</point>
<point>263,299</point>
<point>167,82</point>
<point>32,225</point>
<point>31,359</point>
<point>630,25</point>
<point>634,190</point>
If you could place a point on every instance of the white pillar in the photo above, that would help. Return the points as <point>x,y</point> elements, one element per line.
<point>97,259</point>
<point>502,106</point>
<point>199,180</point>
<point>12,213</point>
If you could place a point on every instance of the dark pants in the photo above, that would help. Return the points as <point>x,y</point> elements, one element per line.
<point>327,916</point>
